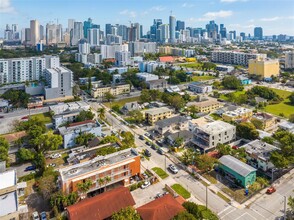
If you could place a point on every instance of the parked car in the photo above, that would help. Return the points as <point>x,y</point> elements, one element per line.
<point>160,151</point>
<point>51,165</point>
<point>148,143</point>
<point>147,134</point>
<point>153,146</point>
<point>145,175</point>
<point>43,216</point>
<point>158,195</point>
<point>54,156</point>
<point>30,168</point>
<point>145,185</point>
<point>141,137</point>
<point>35,216</point>
<point>271,190</point>
<point>1,116</point>
<point>173,169</point>
<point>147,153</point>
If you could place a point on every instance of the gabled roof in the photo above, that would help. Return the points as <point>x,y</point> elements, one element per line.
<point>164,208</point>
<point>166,59</point>
<point>101,206</point>
<point>236,165</point>
<point>173,120</point>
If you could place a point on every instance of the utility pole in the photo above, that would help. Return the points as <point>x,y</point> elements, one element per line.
<point>165,161</point>
<point>206,197</point>
<point>285,207</point>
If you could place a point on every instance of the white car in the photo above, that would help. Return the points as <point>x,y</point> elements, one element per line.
<point>173,169</point>
<point>54,156</point>
<point>51,165</point>
<point>35,216</point>
<point>145,185</point>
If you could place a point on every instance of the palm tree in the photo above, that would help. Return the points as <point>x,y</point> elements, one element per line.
<point>107,179</point>
<point>101,181</point>
<point>85,186</point>
<point>101,112</point>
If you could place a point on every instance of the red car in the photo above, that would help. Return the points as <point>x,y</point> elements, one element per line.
<point>25,118</point>
<point>235,147</point>
<point>271,190</point>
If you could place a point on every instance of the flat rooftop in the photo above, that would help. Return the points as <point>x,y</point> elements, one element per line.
<point>8,202</point>
<point>205,103</point>
<point>260,149</point>
<point>216,127</point>
<point>7,179</point>
<point>97,163</point>
<point>156,111</point>
<point>77,126</point>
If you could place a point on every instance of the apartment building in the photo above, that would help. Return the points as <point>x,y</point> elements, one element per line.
<point>71,131</point>
<point>199,87</point>
<point>265,68</point>
<point>156,84</point>
<point>17,70</point>
<point>147,77</point>
<point>173,123</point>
<point>258,154</point>
<point>207,136</point>
<point>206,106</point>
<point>119,166</point>
<point>237,114</point>
<point>64,118</point>
<point>267,121</point>
<point>232,57</point>
<point>155,114</point>
<point>289,60</point>
<point>70,106</point>
<point>112,89</point>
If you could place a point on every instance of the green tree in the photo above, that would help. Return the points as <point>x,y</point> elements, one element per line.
<point>84,187</point>
<point>18,98</point>
<point>85,115</point>
<point>199,211</point>
<point>246,130</point>
<point>128,139</point>
<point>177,102</point>
<point>184,216</point>
<point>178,142</point>
<point>24,154</point>
<point>101,113</point>
<point>291,98</point>
<point>205,162</point>
<point>291,204</point>
<point>257,124</point>
<point>224,149</point>
<point>279,160</point>
<point>291,118</point>
<point>269,140</point>
<point>4,147</point>
<point>145,96</point>
<point>137,116</point>
<point>116,108</point>
<point>84,138</point>
<point>262,181</point>
<point>40,162</point>
<point>48,141</point>
<point>47,186</point>
<point>109,97</point>
<point>107,180</point>
<point>126,213</point>
<point>232,82</point>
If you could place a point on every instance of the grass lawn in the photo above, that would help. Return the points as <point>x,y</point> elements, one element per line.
<point>215,116</point>
<point>202,78</point>
<point>238,195</point>
<point>283,107</point>
<point>121,102</point>
<point>223,197</point>
<point>45,117</point>
<point>191,65</point>
<point>181,191</point>
<point>211,177</point>
<point>160,172</point>
<point>204,183</point>
<point>237,93</point>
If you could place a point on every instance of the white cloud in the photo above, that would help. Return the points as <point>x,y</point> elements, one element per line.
<point>5,6</point>
<point>131,14</point>
<point>230,1</point>
<point>158,8</point>
<point>271,19</point>
<point>186,5</point>
<point>250,26</point>
<point>217,14</point>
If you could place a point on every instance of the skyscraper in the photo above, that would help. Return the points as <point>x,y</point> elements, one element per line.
<point>35,32</point>
<point>93,36</point>
<point>107,29</point>
<point>258,35</point>
<point>172,28</point>
<point>77,33</point>
<point>154,27</point>
<point>212,30</point>
<point>41,32</point>
<point>243,35</point>
<point>164,33</point>
<point>87,24</point>
<point>122,31</point>
<point>53,34</point>
<point>180,25</point>
<point>223,31</point>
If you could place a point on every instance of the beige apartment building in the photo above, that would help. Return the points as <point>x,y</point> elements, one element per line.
<point>265,68</point>
<point>206,106</point>
<point>114,90</point>
<point>155,114</point>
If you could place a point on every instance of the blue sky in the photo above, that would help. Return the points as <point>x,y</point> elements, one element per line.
<point>275,16</point>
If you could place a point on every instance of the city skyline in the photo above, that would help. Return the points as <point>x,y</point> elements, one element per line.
<point>273,17</point>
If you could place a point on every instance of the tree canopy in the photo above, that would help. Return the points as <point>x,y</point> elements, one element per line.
<point>232,82</point>
<point>126,213</point>
<point>246,130</point>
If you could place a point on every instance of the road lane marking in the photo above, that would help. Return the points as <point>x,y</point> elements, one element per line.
<point>229,212</point>
<point>246,213</point>
<point>224,210</point>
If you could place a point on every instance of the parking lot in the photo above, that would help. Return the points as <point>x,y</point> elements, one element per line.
<point>143,196</point>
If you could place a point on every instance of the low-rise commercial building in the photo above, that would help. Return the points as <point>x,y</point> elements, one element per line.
<point>199,87</point>
<point>156,84</point>
<point>266,68</point>
<point>258,154</point>
<point>237,171</point>
<point>206,106</point>
<point>244,80</point>
<point>70,106</point>
<point>239,113</point>
<point>208,136</point>
<point>130,106</point>
<point>155,114</point>
<point>173,123</point>
<point>119,167</point>
<point>147,77</point>
<point>113,89</point>
<point>72,131</point>
<point>266,120</point>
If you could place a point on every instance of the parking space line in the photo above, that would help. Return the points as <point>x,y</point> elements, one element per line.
<point>224,210</point>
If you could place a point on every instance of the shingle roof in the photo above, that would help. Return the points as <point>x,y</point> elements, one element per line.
<point>164,208</point>
<point>170,121</point>
<point>101,206</point>
<point>236,165</point>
